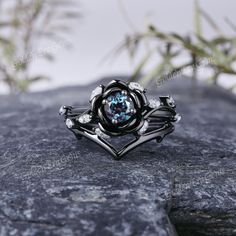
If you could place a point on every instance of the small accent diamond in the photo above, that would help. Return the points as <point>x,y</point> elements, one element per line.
<point>99,133</point>
<point>133,85</point>
<point>96,92</point>
<point>144,127</point>
<point>62,111</point>
<point>177,118</point>
<point>69,123</point>
<point>153,103</point>
<point>171,101</point>
<point>86,118</point>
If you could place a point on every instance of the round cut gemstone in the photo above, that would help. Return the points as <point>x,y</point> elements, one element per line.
<point>119,107</point>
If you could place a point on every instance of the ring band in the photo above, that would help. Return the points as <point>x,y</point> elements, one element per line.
<point>119,109</point>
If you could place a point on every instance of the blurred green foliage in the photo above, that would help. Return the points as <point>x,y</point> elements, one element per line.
<point>24,25</point>
<point>218,53</point>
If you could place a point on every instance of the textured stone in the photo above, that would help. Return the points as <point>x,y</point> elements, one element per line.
<point>53,184</point>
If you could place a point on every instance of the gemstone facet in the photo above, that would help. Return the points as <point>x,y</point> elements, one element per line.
<point>86,118</point>
<point>119,107</point>
<point>153,103</point>
<point>62,111</point>
<point>144,127</point>
<point>99,133</point>
<point>69,123</point>
<point>96,92</point>
<point>133,85</point>
<point>177,118</point>
<point>171,101</point>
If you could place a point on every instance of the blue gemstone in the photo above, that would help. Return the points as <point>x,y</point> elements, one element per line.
<point>119,107</point>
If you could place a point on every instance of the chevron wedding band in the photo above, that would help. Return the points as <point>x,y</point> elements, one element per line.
<point>120,109</point>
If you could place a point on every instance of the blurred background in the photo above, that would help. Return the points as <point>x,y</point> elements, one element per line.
<point>48,44</point>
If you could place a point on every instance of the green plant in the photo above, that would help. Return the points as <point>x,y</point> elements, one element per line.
<point>24,25</point>
<point>219,52</point>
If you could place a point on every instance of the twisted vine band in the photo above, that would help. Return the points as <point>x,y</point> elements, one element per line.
<point>119,109</point>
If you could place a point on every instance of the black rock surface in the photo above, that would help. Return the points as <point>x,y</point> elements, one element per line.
<point>51,184</point>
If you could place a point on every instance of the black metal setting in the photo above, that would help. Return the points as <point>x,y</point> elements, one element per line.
<point>149,119</point>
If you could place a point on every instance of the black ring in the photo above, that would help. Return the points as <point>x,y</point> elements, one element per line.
<point>118,109</point>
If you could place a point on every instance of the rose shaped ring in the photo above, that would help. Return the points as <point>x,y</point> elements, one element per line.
<point>120,109</point>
